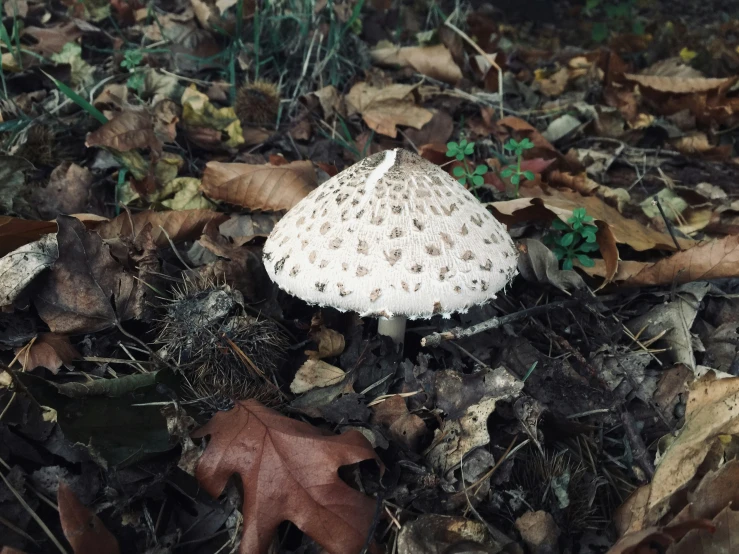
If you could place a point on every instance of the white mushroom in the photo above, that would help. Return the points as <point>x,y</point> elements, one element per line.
<point>394,237</point>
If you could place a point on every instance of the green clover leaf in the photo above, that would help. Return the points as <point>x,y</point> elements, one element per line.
<point>458,171</point>
<point>477,180</point>
<point>481,169</point>
<point>529,175</point>
<point>585,261</point>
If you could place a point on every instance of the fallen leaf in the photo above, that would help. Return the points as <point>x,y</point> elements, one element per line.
<point>20,267</point>
<point>242,229</point>
<point>15,232</point>
<point>82,528</point>
<point>561,203</point>
<point>259,187</point>
<point>51,39</point>
<point>674,319</point>
<point>128,130</point>
<point>438,130</point>
<point>185,195</point>
<point>539,531</point>
<point>384,108</point>
<point>712,410</point>
<point>198,113</point>
<point>435,61</point>
<point>180,225</point>
<point>405,428</point>
<point>678,85</point>
<point>460,436</point>
<point>315,373</point>
<point>49,350</point>
<point>439,534</point>
<point>289,472</point>
<point>538,264</point>
<point>715,259</point>
<point>68,191</point>
<point>75,296</point>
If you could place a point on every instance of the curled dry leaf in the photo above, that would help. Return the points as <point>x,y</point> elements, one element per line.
<point>83,529</point>
<point>678,85</point>
<point>20,267</point>
<point>405,428</point>
<point>289,472</point>
<point>180,226</point>
<point>15,232</point>
<point>712,411</point>
<point>49,350</point>
<point>127,131</point>
<point>714,259</point>
<point>259,187</point>
<point>538,264</point>
<point>435,61</point>
<point>384,108</point>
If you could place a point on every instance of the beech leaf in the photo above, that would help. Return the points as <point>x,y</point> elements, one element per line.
<point>289,472</point>
<point>259,187</point>
<point>129,130</point>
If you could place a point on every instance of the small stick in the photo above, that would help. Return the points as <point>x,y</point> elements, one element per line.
<point>667,224</point>
<point>488,57</point>
<point>638,447</point>
<point>435,339</point>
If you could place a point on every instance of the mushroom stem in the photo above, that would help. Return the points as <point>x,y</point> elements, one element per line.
<point>393,327</point>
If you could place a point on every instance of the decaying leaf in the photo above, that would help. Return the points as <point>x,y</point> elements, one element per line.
<point>180,225</point>
<point>460,436</point>
<point>127,131</point>
<point>715,259</point>
<point>677,85</point>
<point>435,61</point>
<point>537,264</point>
<point>68,191</point>
<point>198,114</point>
<point>82,528</point>
<point>672,321</point>
<point>259,187</point>
<point>315,373</point>
<point>288,469</point>
<point>438,534</point>
<point>405,428</point>
<point>384,108</point>
<point>49,350</point>
<point>76,295</point>
<point>20,267</point>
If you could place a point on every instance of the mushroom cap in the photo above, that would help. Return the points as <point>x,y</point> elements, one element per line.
<point>392,235</point>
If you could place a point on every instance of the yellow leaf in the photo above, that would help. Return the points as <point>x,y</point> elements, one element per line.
<point>197,111</point>
<point>687,55</point>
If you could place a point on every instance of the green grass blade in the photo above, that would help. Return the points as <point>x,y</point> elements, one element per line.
<point>77,99</point>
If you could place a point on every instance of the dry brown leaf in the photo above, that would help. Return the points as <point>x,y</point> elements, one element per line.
<point>77,295</point>
<point>51,39</point>
<point>83,529</point>
<point>49,350</point>
<point>67,192</point>
<point>315,373</point>
<point>712,410</point>
<point>127,131</point>
<point>714,259</point>
<point>405,428</point>
<point>435,61</point>
<point>15,232</point>
<point>288,469</point>
<point>555,84</point>
<point>259,187</point>
<point>679,85</point>
<point>384,108</point>
<point>182,225</point>
<point>563,202</point>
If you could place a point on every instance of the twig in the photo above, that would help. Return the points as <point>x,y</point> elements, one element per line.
<point>638,447</point>
<point>375,521</point>
<point>435,339</point>
<point>176,252</point>
<point>667,223</point>
<point>490,59</point>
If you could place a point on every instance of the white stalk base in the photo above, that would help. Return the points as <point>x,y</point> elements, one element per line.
<point>393,327</point>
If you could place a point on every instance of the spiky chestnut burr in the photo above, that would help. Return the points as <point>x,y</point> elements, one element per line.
<point>223,353</point>
<point>257,104</point>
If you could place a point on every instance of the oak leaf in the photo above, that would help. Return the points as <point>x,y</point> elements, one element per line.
<point>83,529</point>
<point>289,472</point>
<point>259,187</point>
<point>49,350</point>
